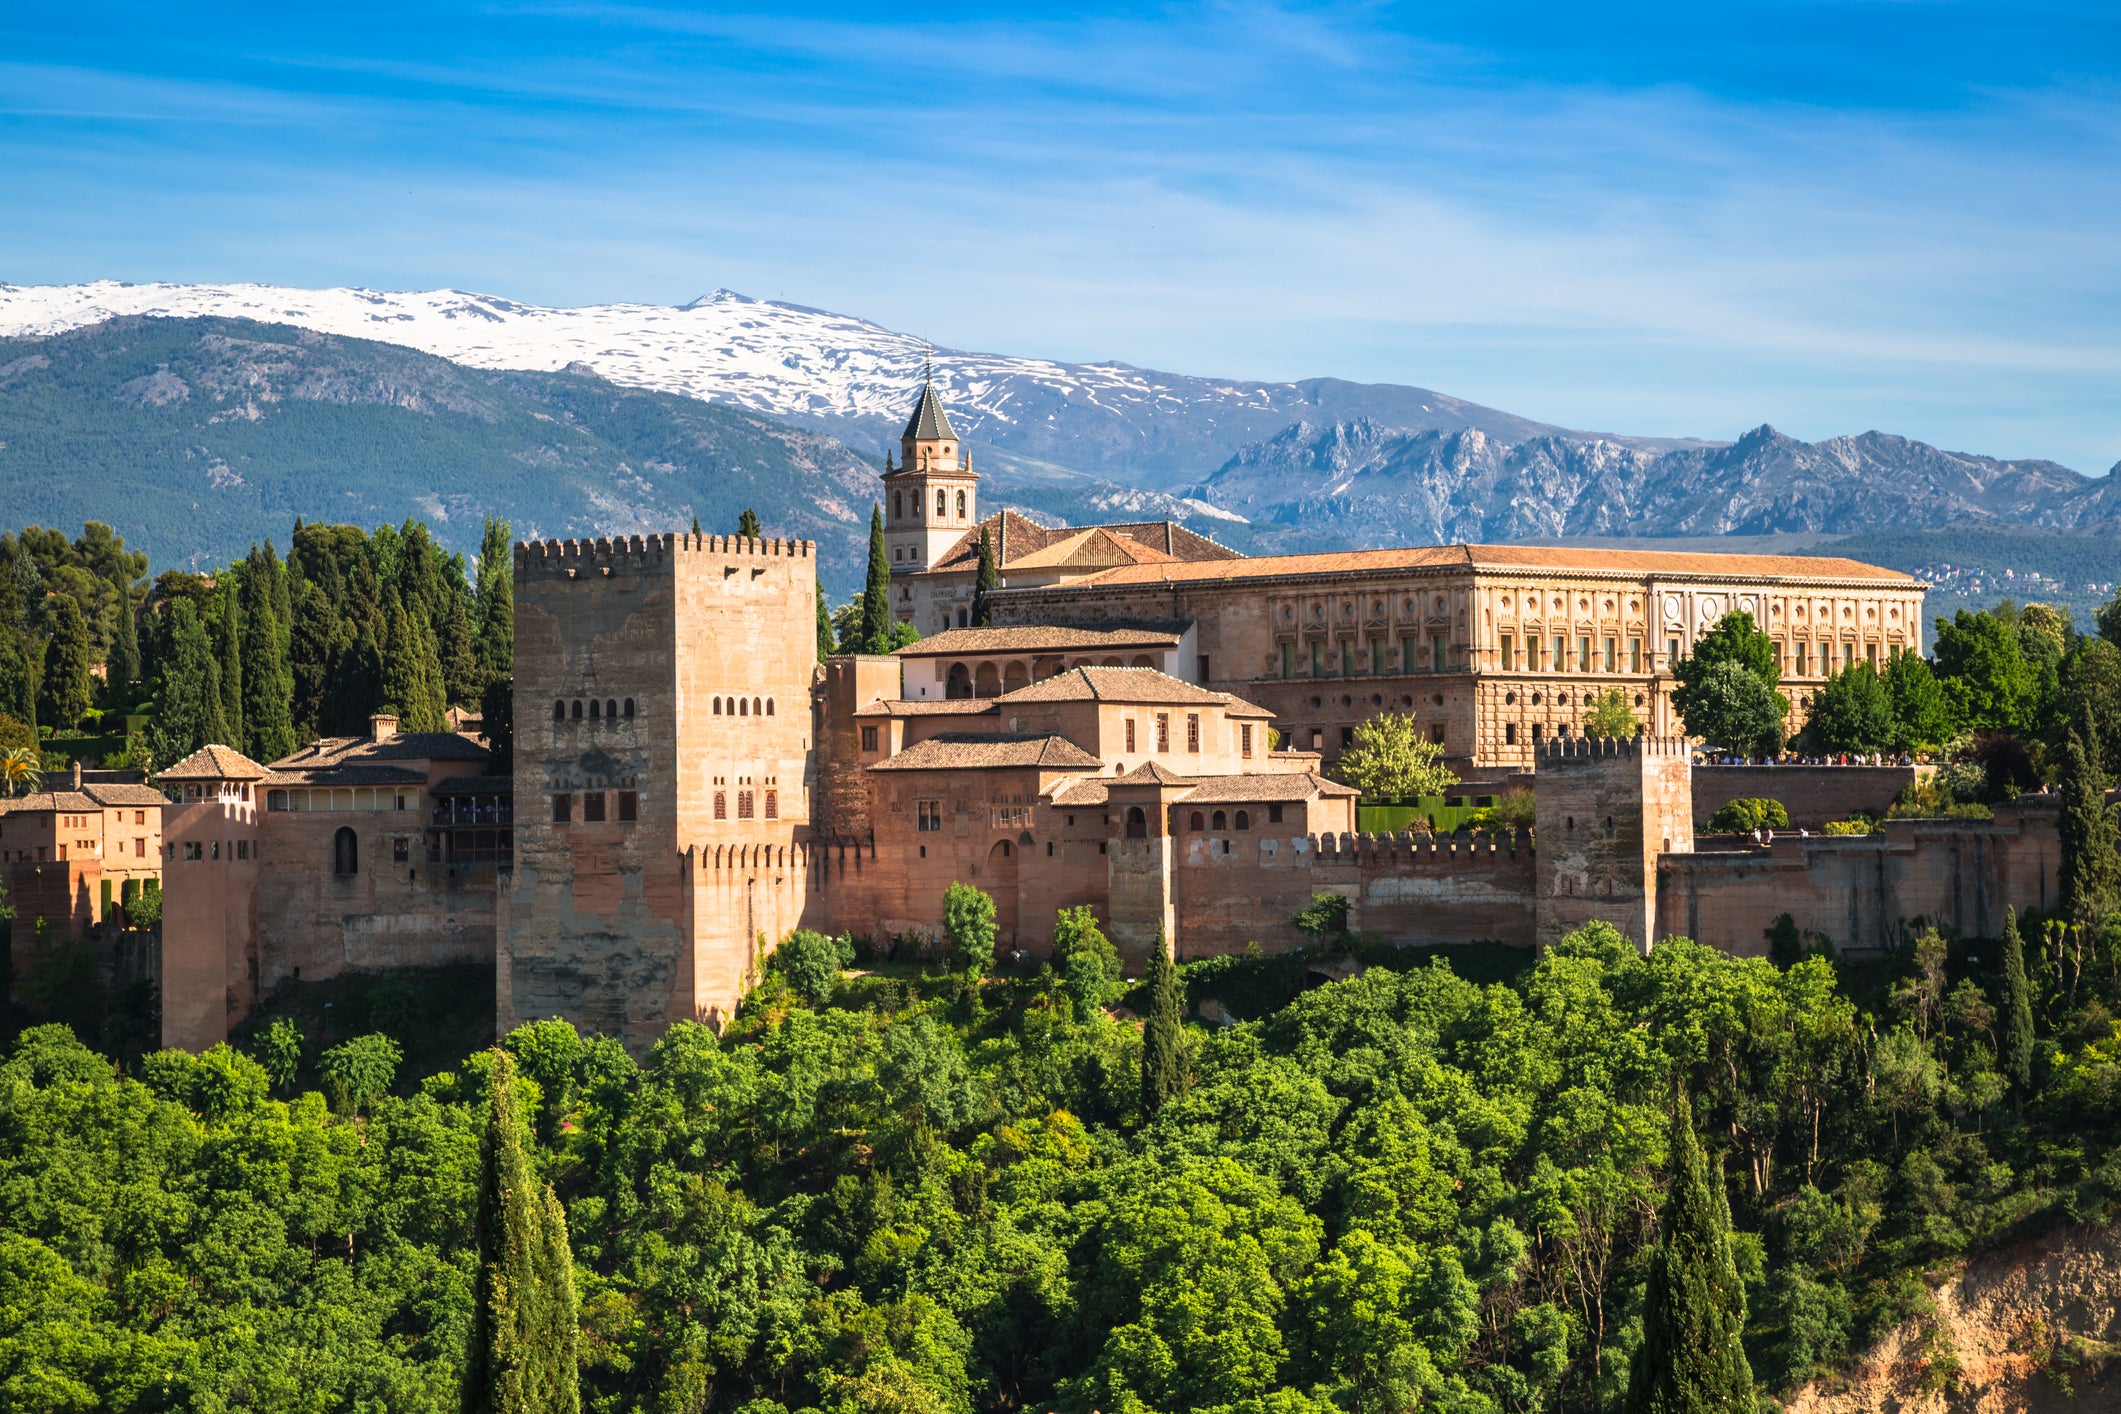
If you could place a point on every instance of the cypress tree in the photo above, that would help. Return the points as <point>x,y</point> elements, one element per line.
<point>696,527</point>
<point>18,677</point>
<point>989,579</point>
<point>412,672</point>
<point>747,525</point>
<point>462,677</point>
<point>268,685</point>
<point>1163,1035</point>
<point>68,688</point>
<point>2090,872</point>
<point>312,644</point>
<point>523,1323</point>
<point>2015,1041</point>
<point>228,653</point>
<point>825,643</point>
<point>497,599</point>
<point>280,582</point>
<point>188,690</point>
<point>876,590</point>
<point>121,669</point>
<point>1691,1360</point>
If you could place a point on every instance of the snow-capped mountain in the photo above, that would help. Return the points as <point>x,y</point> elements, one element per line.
<point>833,371</point>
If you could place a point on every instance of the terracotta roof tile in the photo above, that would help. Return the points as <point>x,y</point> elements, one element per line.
<point>1294,785</point>
<point>405,746</point>
<point>1145,685</point>
<point>1503,557</point>
<point>1150,773</point>
<point>1016,537</point>
<point>122,794</point>
<point>214,763</point>
<point>1033,638</point>
<point>943,707</point>
<point>954,751</point>
<point>355,773</point>
<point>48,800</point>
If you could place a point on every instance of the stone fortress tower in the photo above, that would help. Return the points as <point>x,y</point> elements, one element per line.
<point>664,739</point>
<point>932,497</point>
<point>1605,810</point>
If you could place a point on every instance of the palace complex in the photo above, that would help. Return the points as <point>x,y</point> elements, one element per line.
<point>1147,727</point>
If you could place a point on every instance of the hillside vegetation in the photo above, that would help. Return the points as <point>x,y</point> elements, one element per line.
<point>933,1194</point>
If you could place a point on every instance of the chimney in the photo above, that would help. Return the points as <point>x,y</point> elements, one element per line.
<point>77,775</point>
<point>383,726</point>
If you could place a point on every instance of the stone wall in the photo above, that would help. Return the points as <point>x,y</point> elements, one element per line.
<point>1813,795</point>
<point>209,919</point>
<point>1864,892</point>
<point>1606,810</point>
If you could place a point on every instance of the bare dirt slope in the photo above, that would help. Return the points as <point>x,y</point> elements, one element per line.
<point>2032,1329</point>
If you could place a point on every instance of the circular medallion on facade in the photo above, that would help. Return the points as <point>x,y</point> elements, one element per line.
<point>1671,606</point>
<point>1711,609</point>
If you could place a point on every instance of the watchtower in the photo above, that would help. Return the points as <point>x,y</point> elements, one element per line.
<point>932,497</point>
<point>1604,810</point>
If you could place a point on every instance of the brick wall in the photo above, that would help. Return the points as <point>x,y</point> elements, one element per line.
<point>1813,795</point>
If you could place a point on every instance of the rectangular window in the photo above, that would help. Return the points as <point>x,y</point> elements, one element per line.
<point>1870,652</point>
<point>868,738</point>
<point>744,805</point>
<point>139,849</point>
<point>930,813</point>
<point>192,850</point>
<point>1634,655</point>
<point>721,805</point>
<point>1409,656</point>
<point>1163,731</point>
<point>593,807</point>
<point>1671,651</point>
<point>1506,653</point>
<point>629,807</point>
<point>1583,655</point>
<point>1612,655</point>
<point>1193,731</point>
<point>773,805</point>
<point>1244,740</point>
<point>139,817</point>
<point>562,809</point>
<point>1318,738</point>
<point>1559,663</point>
<point>1347,657</point>
<point>1318,657</point>
<point>242,849</point>
<point>1130,736</point>
<point>1436,732</point>
<point>1288,660</point>
<point>1200,664</point>
<point>1848,654</point>
<point>1274,814</point>
<point>1347,737</point>
<point>400,850</point>
<point>1803,655</point>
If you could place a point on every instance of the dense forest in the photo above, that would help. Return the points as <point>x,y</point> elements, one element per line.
<point>912,1191</point>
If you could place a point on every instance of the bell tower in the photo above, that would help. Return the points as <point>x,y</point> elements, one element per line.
<point>932,497</point>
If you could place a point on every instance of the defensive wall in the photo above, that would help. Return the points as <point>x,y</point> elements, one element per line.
<point>1813,795</point>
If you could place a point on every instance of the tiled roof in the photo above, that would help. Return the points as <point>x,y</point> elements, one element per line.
<point>49,800</point>
<point>942,707</point>
<point>1293,785</point>
<point>353,773</point>
<point>214,763</point>
<point>1145,685</point>
<point>405,746</point>
<point>1033,638</point>
<point>1016,538</point>
<point>1087,549</point>
<point>116,794</point>
<point>474,785</point>
<point>1504,557</point>
<point>958,752</point>
<point>929,422</point>
<point>1149,773</point>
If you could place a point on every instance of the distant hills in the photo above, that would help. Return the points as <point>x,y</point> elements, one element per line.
<point>230,409</point>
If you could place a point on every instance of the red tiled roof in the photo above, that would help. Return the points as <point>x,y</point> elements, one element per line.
<point>1034,638</point>
<point>1504,557</point>
<point>953,751</point>
<point>215,763</point>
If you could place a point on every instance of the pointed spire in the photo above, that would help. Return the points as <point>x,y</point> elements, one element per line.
<point>928,423</point>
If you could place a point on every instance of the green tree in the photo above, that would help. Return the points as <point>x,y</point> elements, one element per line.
<point>313,646</point>
<point>18,675</point>
<point>497,716</point>
<point>188,689</point>
<point>1733,709</point>
<point>1851,711</point>
<point>524,1327</point>
<point>121,670</point>
<point>747,525</point>
<point>1323,919</point>
<point>68,688</point>
<point>412,672</point>
<point>1922,718</point>
<point>1743,816</point>
<point>1163,1032</point>
<point>1987,682</point>
<point>1086,959</point>
<point>268,683</point>
<point>280,1052</point>
<point>227,629</point>
<point>811,963</point>
<point>497,609</point>
<point>986,582</point>
<point>1692,1356</point>
<point>1610,715</point>
<point>827,640</point>
<point>2090,874</point>
<point>2014,1007</point>
<point>968,924</point>
<point>359,1072</point>
<point>463,679</point>
<point>1391,760</point>
<point>876,588</point>
<point>1734,639</point>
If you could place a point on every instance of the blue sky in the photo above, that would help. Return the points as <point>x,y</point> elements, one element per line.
<point>1683,219</point>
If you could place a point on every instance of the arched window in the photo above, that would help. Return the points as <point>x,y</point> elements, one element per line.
<point>577,713</point>
<point>1137,823</point>
<point>345,852</point>
<point>960,505</point>
<point>1244,820</point>
<point>721,805</point>
<point>773,805</point>
<point>1195,822</point>
<point>755,708</point>
<point>898,506</point>
<point>942,502</point>
<point>629,709</point>
<point>743,708</point>
<point>769,706</point>
<point>1219,822</point>
<point>559,710</point>
<point>717,706</point>
<point>596,709</point>
<point>958,682</point>
<point>611,708</point>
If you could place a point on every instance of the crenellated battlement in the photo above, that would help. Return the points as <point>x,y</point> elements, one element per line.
<point>1591,748</point>
<point>1372,850</point>
<point>557,558</point>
